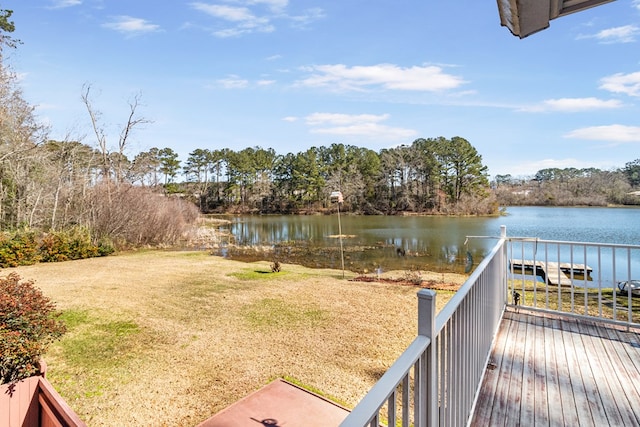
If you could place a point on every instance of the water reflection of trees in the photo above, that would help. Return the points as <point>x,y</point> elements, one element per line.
<point>374,245</point>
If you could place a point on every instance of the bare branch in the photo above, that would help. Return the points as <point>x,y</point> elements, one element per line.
<point>97,129</point>
<point>132,122</point>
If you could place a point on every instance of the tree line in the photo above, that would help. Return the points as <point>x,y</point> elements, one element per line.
<point>434,175</point>
<point>571,187</point>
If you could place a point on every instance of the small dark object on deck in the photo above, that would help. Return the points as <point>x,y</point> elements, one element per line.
<point>400,252</point>
<point>516,298</point>
<point>267,422</point>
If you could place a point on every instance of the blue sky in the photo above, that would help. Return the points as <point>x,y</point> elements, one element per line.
<point>292,74</point>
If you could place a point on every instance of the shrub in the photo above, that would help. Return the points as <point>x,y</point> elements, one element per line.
<point>19,248</point>
<point>68,245</point>
<point>29,247</point>
<point>105,247</point>
<point>53,248</point>
<point>131,216</point>
<point>28,325</point>
<point>413,276</point>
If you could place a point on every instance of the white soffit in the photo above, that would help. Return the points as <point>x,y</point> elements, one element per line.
<point>525,17</point>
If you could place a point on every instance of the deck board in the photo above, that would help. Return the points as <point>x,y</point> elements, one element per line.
<point>585,390</point>
<point>551,370</point>
<point>514,399</point>
<point>541,393</point>
<point>551,373</point>
<point>503,371</point>
<point>492,376</point>
<point>528,402</point>
<point>622,369</point>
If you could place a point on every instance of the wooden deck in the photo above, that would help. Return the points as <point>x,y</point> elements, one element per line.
<point>554,371</point>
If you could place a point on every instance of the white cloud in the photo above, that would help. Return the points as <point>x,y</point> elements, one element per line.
<point>250,16</point>
<point>232,82</point>
<point>628,84</point>
<point>274,5</point>
<point>243,19</point>
<point>610,133</point>
<point>290,119</point>
<point>386,76</point>
<point>316,119</point>
<point>623,34</point>
<point>356,125</point>
<point>636,4</point>
<point>311,15</point>
<point>61,4</point>
<point>131,26</point>
<point>572,105</point>
<point>238,31</point>
<point>228,13</point>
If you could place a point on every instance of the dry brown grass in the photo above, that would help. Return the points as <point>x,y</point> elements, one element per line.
<point>170,338</point>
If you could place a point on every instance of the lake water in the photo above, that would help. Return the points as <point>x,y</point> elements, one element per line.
<point>428,243</point>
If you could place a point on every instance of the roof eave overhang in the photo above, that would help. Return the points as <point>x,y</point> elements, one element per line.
<point>526,17</point>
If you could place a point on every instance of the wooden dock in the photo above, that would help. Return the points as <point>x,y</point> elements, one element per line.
<point>551,370</point>
<point>553,273</point>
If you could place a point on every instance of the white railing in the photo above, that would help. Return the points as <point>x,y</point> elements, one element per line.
<point>435,380</point>
<point>575,278</point>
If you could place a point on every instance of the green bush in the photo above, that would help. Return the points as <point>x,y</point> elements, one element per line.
<point>105,248</point>
<point>25,248</point>
<point>28,325</point>
<point>68,245</point>
<point>19,248</point>
<point>54,248</point>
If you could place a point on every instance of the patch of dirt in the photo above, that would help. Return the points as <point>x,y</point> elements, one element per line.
<point>426,284</point>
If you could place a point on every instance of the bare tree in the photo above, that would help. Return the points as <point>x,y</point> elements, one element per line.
<point>98,130</point>
<point>109,169</point>
<point>71,166</point>
<point>20,136</point>
<point>133,121</point>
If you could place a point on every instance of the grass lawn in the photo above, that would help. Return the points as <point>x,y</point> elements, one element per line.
<point>170,338</point>
<point>606,302</point>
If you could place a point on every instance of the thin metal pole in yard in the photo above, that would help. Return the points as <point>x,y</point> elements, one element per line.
<point>340,237</point>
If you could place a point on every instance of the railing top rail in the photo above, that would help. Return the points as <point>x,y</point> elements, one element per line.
<point>568,242</point>
<point>63,411</point>
<point>361,414</point>
<point>448,310</point>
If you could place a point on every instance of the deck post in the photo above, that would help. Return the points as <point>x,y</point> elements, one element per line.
<point>428,406</point>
